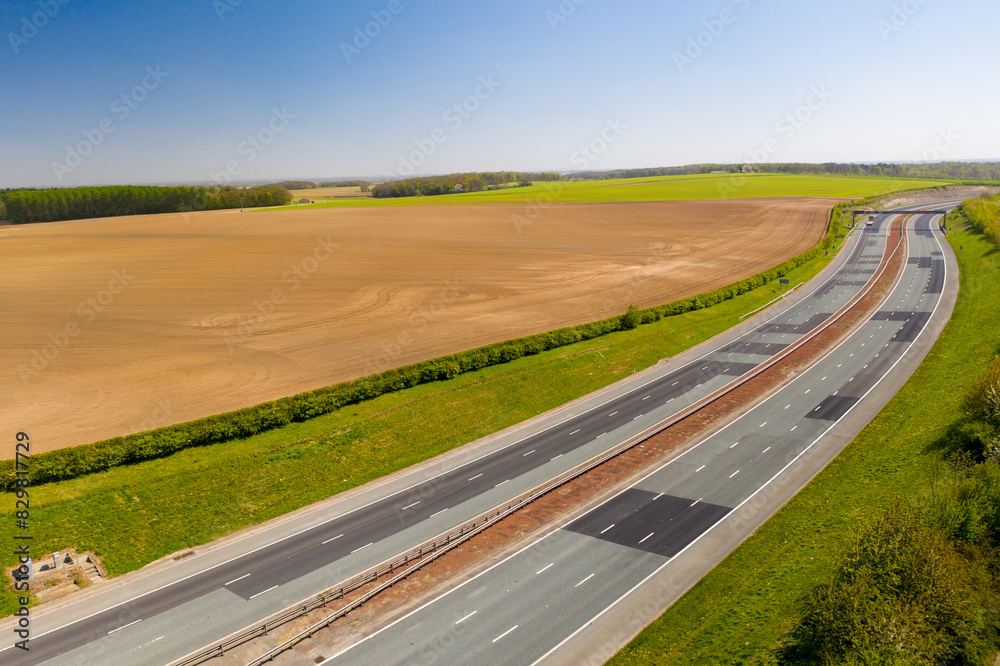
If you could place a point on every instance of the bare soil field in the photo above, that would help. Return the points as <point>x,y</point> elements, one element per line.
<point>117,325</point>
<point>318,193</point>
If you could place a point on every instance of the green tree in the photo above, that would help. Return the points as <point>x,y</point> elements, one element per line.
<point>902,594</point>
<point>631,318</point>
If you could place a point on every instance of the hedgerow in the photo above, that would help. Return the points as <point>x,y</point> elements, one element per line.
<point>76,461</point>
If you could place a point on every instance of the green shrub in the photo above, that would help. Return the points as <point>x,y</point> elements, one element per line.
<point>902,594</point>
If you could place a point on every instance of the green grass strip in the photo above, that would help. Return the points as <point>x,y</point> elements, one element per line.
<point>739,611</point>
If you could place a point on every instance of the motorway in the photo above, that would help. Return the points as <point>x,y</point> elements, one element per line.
<point>157,617</point>
<point>523,609</point>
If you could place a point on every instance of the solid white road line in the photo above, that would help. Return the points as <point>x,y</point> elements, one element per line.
<point>646,537</point>
<point>363,547</point>
<point>505,633</point>
<point>584,580</point>
<point>575,431</point>
<point>333,539</point>
<point>558,456</point>
<point>607,528</point>
<point>613,413</point>
<point>236,579</point>
<point>501,483</point>
<point>410,506</point>
<point>273,588</point>
<point>734,474</point>
<point>127,625</point>
<point>438,513</point>
<point>766,450</point>
<point>529,452</point>
<point>544,568</point>
<point>700,468</point>
<point>466,617</point>
<point>475,477</point>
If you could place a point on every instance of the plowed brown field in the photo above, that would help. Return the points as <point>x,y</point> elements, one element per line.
<point>118,325</point>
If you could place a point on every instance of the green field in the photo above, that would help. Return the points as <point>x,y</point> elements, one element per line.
<point>662,188</point>
<point>741,609</point>
<point>135,514</point>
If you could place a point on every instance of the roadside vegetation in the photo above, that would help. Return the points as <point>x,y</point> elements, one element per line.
<point>77,203</point>
<point>70,462</point>
<point>133,514</point>
<point>890,556</point>
<point>984,216</point>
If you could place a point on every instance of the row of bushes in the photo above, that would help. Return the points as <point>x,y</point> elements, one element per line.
<point>89,458</point>
<point>984,215</point>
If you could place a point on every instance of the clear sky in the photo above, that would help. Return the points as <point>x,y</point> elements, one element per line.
<point>97,92</point>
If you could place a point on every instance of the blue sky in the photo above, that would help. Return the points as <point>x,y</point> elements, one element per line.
<point>267,90</point>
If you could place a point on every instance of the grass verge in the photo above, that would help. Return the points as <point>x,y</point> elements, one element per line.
<point>135,514</point>
<point>746,604</point>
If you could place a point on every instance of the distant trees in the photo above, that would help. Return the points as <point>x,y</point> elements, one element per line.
<point>970,171</point>
<point>309,185</point>
<point>23,206</point>
<point>469,182</point>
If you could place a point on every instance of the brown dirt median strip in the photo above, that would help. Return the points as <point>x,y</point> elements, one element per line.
<point>514,531</point>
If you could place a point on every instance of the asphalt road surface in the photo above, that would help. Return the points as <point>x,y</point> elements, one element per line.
<point>159,616</point>
<point>524,608</point>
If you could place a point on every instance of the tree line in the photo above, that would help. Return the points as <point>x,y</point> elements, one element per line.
<point>457,182</point>
<point>23,206</point>
<point>309,185</point>
<point>972,171</point>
